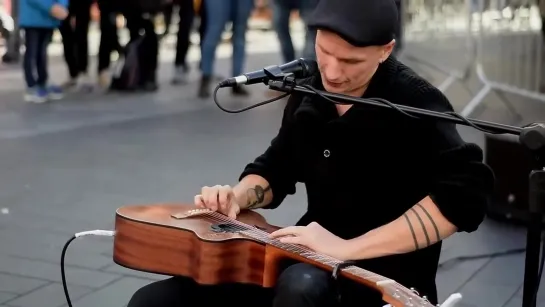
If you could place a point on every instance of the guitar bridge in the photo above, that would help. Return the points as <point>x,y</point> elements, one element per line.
<point>190,213</point>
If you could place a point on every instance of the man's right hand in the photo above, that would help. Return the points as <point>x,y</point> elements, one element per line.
<point>219,198</point>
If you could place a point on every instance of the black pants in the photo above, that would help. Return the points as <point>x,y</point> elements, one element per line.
<point>109,40</point>
<point>300,285</point>
<point>35,58</point>
<point>149,50</point>
<point>186,13</point>
<point>75,39</point>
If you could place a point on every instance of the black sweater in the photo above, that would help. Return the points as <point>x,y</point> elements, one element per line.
<point>366,168</point>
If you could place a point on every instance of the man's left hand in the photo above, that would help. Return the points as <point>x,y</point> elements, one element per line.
<point>315,237</point>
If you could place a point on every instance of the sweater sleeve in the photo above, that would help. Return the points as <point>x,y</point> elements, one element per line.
<point>277,164</point>
<point>42,5</point>
<point>461,184</point>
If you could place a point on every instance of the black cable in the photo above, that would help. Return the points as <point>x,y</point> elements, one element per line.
<point>64,285</point>
<point>247,108</point>
<point>104,233</point>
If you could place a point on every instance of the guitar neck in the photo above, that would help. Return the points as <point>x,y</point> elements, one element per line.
<point>353,272</point>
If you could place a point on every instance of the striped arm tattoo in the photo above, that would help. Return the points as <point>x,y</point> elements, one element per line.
<point>425,221</point>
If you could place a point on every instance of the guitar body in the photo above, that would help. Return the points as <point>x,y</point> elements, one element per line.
<point>210,248</point>
<point>151,239</point>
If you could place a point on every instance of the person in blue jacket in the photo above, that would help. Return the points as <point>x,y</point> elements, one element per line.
<point>38,19</point>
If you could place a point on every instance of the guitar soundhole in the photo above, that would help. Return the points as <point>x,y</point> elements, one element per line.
<point>226,228</point>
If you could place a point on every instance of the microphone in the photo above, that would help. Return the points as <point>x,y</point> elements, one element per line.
<point>301,68</point>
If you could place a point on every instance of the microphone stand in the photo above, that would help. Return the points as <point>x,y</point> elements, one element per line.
<point>532,137</point>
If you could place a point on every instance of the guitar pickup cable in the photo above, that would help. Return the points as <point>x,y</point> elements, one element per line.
<point>101,233</point>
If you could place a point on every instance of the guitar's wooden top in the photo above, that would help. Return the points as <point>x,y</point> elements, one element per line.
<point>163,214</point>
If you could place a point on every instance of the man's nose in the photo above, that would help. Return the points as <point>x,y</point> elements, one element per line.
<point>333,72</point>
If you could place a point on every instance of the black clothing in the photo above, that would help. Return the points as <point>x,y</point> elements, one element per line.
<point>109,40</point>
<point>366,168</point>
<point>186,13</point>
<point>75,39</point>
<point>299,285</point>
<point>359,22</point>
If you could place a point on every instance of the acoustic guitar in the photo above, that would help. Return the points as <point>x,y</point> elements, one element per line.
<point>211,248</point>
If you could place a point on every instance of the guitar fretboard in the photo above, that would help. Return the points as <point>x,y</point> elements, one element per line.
<point>323,259</point>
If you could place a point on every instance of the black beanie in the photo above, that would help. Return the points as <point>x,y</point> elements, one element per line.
<point>361,23</point>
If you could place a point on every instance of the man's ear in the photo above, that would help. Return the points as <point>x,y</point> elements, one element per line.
<point>387,50</point>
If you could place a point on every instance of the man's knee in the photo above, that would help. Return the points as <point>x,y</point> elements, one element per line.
<point>168,292</point>
<point>303,284</point>
<point>142,296</point>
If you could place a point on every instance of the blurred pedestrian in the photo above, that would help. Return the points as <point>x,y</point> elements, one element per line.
<point>109,40</point>
<point>282,10</point>
<point>218,14</point>
<point>186,15</point>
<point>38,19</point>
<point>74,31</point>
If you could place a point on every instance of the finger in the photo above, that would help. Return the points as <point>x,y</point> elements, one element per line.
<point>292,240</point>
<point>288,231</point>
<point>234,210</point>
<point>224,194</point>
<point>199,201</point>
<point>210,196</point>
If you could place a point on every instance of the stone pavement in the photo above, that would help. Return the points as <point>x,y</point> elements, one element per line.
<point>65,167</point>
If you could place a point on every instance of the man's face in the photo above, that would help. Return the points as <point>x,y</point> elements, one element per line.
<point>346,69</point>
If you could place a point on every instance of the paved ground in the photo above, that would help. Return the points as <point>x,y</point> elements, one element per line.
<point>66,167</point>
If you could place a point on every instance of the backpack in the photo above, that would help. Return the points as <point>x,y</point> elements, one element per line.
<point>126,72</point>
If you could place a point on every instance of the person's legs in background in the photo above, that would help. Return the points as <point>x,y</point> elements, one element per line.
<point>186,11</point>
<point>69,45</point>
<point>82,12</point>
<point>281,21</point>
<point>109,40</point>
<point>241,10</point>
<point>44,39</point>
<point>218,13</point>
<point>306,7</point>
<point>202,27</point>
<point>33,92</point>
<point>35,66</point>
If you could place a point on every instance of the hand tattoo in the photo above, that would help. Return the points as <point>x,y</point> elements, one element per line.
<point>256,196</point>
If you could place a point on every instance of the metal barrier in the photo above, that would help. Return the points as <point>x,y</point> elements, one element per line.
<point>509,46</point>
<point>435,34</point>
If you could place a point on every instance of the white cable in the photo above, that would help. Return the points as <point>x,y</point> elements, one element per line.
<point>103,233</point>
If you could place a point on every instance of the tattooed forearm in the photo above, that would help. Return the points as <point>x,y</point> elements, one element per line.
<point>412,230</point>
<point>437,235</point>
<point>422,235</point>
<point>424,230</point>
<point>256,196</point>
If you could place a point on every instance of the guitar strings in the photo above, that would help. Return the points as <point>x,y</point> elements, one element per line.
<point>264,236</point>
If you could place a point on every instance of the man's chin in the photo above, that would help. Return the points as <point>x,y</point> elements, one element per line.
<point>334,89</point>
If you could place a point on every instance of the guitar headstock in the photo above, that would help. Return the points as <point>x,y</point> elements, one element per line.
<point>190,213</point>
<point>405,297</point>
